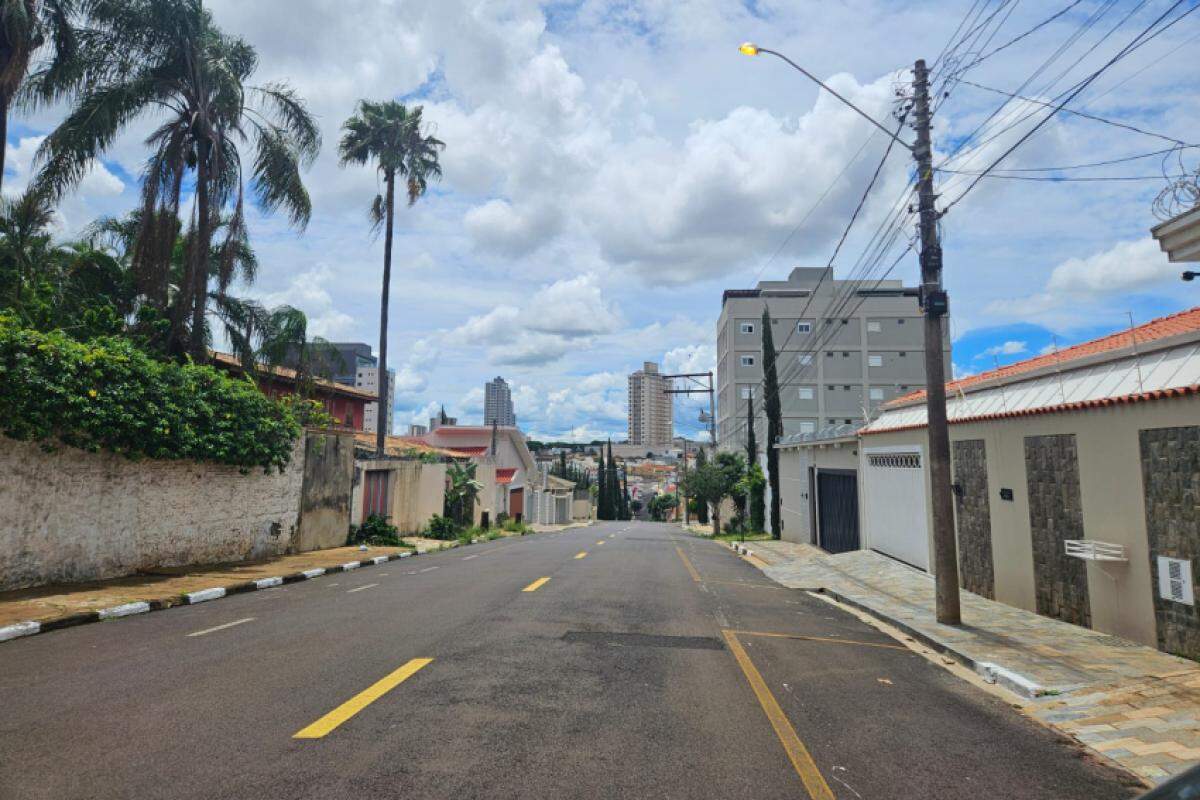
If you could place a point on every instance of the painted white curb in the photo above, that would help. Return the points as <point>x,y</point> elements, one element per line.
<point>267,583</point>
<point>125,610</point>
<point>349,565</point>
<point>18,630</point>
<point>205,594</point>
<point>1013,681</point>
<point>313,573</point>
<point>380,560</point>
<point>405,555</point>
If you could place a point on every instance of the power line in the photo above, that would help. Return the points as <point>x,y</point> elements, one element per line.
<point>1059,179</point>
<point>1110,162</point>
<point>1027,33</point>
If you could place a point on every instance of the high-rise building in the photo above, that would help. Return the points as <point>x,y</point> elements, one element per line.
<point>651,421</point>
<point>497,404</point>
<point>842,350</point>
<point>368,378</point>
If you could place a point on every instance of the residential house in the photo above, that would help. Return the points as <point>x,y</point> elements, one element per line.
<point>346,404</point>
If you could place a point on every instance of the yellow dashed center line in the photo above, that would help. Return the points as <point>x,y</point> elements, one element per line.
<point>695,575</point>
<point>602,541</point>
<point>813,781</point>
<point>533,587</point>
<point>361,700</point>
<point>827,639</point>
<point>581,555</point>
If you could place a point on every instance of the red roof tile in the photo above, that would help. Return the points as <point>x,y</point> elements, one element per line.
<point>1161,328</point>
<point>505,474</point>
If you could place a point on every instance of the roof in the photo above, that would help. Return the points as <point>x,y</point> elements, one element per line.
<point>1179,237</point>
<point>505,474</point>
<point>1184,322</point>
<point>1156,361</point>
<point>401,446</point>
<point>227,361</point>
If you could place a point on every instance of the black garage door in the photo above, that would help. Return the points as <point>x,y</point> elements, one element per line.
<point>837,510</point>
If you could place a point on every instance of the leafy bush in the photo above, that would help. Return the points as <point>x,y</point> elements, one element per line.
<point>512,526</point>
<point>442,528</point>
<point>375,531</point>
<point>105,394</point>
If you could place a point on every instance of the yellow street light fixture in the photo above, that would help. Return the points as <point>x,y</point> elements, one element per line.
<point>748,49</point>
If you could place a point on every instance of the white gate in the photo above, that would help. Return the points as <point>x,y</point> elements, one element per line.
<point>894,495</point>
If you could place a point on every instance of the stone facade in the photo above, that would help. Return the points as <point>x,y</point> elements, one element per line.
<point>1171,482</point>
<point>974,520</point>
<point>1055,515</point>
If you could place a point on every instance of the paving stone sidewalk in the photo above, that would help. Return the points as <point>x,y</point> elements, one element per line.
<point>1137,706</point>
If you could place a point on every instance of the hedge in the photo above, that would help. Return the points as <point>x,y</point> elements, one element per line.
<point>105,394</point>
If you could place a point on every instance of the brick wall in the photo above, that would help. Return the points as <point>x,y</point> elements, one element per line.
<point>70,515</point>
<point>1171,482</point>
<point>973,518</point>
<point>1055,515</point>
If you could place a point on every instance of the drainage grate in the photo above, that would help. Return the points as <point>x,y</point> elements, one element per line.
<point>644,640</point>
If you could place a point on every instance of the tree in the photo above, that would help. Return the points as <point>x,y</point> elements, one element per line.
<point>661,506</point>
<point>710,484</point>
<point>601,490</point>
<point>27,27</point>
<point>733,467</point>
<point>461,490</point>
<point>701,508</point>
<point>755,482</point>
<point>774,419</point>
<point>391,135</point>
<point>167,57</point>
<point>625,510</point>
<point>612,483</point>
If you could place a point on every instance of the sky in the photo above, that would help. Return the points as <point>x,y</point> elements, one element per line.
<point>611,167</point>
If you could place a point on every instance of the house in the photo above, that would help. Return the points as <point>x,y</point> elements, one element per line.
<point>550,500</point>
<point>1077,483</point>
<point>505,465</point>
<point>818,488</point>
<point>346,404</point>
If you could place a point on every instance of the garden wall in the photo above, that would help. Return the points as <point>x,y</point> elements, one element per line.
<point>70,515</point>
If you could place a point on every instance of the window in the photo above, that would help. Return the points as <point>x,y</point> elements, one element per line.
<point>747,392</point>
<point>746,327</point>
<point>808,427</point>
<point>845,355</point>
<point>747,361</point>
<point>830,354</point>
<point>904,388</point>
<point>849,422</point>
<point>847,388</point>
<point>845,322</point>
<point>903,354</point>
<point>806,393</point>
<point>803,327</point>
<point>877,394</point>
<point>805,359</point>
<point>874,327</point>
<point>875,361</point>
<point>900,321</point>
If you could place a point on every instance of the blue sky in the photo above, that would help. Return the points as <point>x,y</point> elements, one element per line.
<point>611,167</point>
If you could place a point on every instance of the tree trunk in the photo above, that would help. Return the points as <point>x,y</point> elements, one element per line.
<point>716,519</point>
<point>201,251</point>
<point>4,103</point>
<point>381,415</point>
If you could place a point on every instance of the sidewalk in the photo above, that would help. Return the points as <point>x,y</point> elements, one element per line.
<point>1137,706</point>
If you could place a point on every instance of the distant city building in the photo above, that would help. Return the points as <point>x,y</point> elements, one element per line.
<point>497,404</point>
<point>843,349</point>
<point>417,430</point>
<point>368,378</point>
<point>353,364</point>
<point>442,421</point>
<point>651,420</point>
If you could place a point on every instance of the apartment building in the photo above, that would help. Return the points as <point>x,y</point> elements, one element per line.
<point>497,404</point>
<point>843,350</point>
<point>353,364</point>
<point>651,418</point>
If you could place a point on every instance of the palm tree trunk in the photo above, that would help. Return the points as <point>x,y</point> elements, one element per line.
<point>3,137</point>
<point>201,251</point>
<point>381,415</point>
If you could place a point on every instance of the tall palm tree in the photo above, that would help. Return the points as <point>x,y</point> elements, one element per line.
<point>391,135</point>
<point>140,56</point>
<point>27,26</point>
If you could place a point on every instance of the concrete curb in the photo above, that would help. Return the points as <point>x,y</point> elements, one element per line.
<point>20,630</point>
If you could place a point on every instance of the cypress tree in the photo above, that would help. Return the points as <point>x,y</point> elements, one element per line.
<point>614,487</point>
<point>757,502</point>
<point>625,514</point>
<point>774,419</point>
<point>601,495</point>
<point>701,506</point>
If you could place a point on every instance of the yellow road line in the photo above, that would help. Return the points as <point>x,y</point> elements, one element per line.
<point>533,587</point>
<point>361,700</point>
<point>602,541</point>
<point>582,555</point>
<point>688,564</point>
<point>828,639</point>
<point>747,585</point>
<point>817,788</point>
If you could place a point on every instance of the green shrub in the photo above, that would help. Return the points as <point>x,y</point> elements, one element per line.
<point>105,394</point>
<point>442,528</point>
<point>512,526</point>
<point>376,531</point>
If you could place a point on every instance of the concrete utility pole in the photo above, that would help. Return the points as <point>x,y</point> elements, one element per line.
<point>935,304</point>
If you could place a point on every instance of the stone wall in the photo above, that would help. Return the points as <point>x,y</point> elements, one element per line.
<point>1055,515</point>
<point>69,515</point>
<point>1171,482</point>
<point>972,514</point>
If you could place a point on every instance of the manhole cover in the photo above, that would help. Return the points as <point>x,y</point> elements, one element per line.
<point>644,640</point>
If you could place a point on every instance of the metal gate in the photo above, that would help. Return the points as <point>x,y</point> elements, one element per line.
<point>375,493</point>
<point>837,510</point>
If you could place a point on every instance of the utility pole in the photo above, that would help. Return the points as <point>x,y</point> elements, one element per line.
<point>935,304</point>
<point>679,478</point>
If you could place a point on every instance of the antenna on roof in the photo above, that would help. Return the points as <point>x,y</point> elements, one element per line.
<point>1137,359</point>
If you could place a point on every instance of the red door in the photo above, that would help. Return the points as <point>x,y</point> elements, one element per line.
<point>516,503</point>
<point>375,493</point>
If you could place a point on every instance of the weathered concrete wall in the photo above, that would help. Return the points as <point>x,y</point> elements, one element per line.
<point>325,497</point>
<point>416,491</point>
<point>70,515</point>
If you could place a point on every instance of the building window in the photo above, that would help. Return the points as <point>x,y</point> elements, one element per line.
<point>746,327</point>
<point>877,394</point>
<point>847,388</point>
<point>900,321</point>
<point>747,392</point>
<point>845,322</point>
<point>805,359</point>
<point>808,427</point>
<point>830,354</point>
<point>875,361</point>
<point>806,393</point>
<point>803,327</point>
<point>903,354</point>
<point>845,355</point>
<point>904,388</point>
<point>874,327</point>
<point>747,361</point>
<point>849,422</point>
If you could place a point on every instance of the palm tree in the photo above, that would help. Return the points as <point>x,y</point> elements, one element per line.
<point>141,56</point>
<point>26,26</point>
<point>391,135</point>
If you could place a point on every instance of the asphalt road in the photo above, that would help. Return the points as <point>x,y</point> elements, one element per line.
<point>637,670</point>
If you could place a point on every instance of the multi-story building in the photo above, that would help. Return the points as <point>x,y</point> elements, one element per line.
<point>497,404</point>
<point>842,349</point>
<point>353,364</point>
<point>367,377</point>
<point>651,421</point>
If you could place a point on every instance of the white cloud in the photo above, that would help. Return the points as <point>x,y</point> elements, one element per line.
<point>690,358</point>
<point>1009,348</point>
<point>309,292</point>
